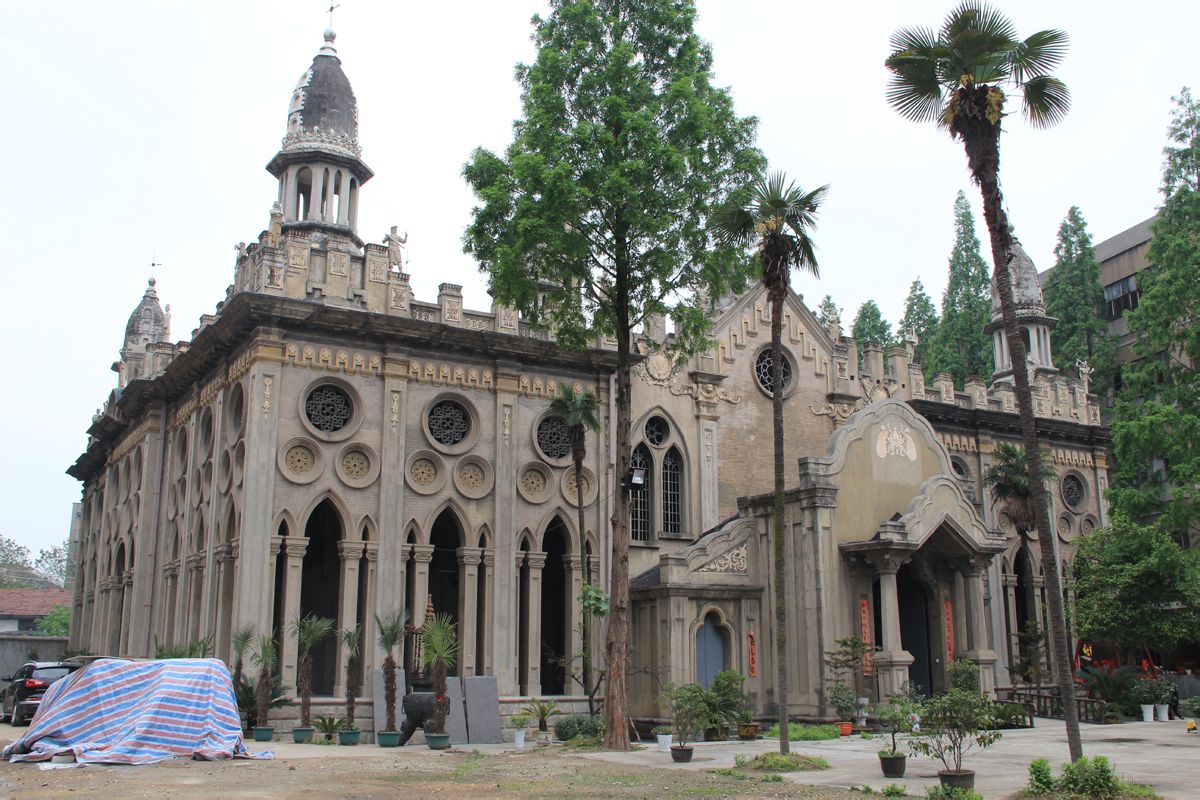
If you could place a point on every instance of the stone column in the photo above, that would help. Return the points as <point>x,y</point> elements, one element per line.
<point>893,661</point>
<point>315,206</point>
<point>489,639</point>
<point>573,564</point>
<point>370,634</point>
<point>1012,644</point>
<point>423,555</point>
<point>535,562</point>
<point>388,588</point>
<point>349,553</point>
<point>505,589</point>
<point>469,559</point>
<point>977,640</point>
<point>126,609</point>
<point>294,548</point>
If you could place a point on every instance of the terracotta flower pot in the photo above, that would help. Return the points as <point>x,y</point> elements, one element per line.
<point>845,728</point>
<point>747,731</point>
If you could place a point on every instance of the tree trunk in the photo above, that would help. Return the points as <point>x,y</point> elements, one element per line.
<point>776,294</point>
<point>351,689</point>
<point>981,139</point>
<point>616,640</point>
<point>304,687</point>
<point>585,623</point>
<point>262,698</point>
<point>389,691</point>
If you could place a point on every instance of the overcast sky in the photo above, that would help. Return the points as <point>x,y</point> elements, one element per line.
<point>139,130</point>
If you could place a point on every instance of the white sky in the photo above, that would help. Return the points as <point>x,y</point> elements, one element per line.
<point>138,130</point>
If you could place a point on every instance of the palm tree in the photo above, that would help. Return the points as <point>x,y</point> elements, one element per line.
<point>439,652</point>
<point>954,78</point>
<point>580,410</point>
<point>264,657</point>
<point>1008,480</point>
<point>308,632</point>
<point>778,218</point>
<point>391,634</point>
<point>239,643</point>
<point>350,639</point>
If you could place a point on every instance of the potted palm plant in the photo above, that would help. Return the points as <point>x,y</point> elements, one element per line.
<point>690,709</point>
<point>308,633</point>
<point>519,722</point>
<point>264,657</point>
<point>542,711</point>
<point>391,634</point>
<point>350,639</point>
<point>239,642</point>
<point>439,652</point>
<point>328,725</point>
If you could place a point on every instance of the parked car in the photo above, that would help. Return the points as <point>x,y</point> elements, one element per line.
<point>26,687</point>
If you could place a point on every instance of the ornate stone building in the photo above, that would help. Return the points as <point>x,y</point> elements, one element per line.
<point>326,443</point>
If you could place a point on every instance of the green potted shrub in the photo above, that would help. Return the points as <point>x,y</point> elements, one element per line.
<point>328,724</point>
<point>1145,694</point>
<point>542,711</point>
<point>662,734</point>
<point>1163,689</point>
<point>308,632</point>
<point>439,652</point>
<point>519,723</point>
<point>747,728</point>
<point>391,636</point>
<point>896,717</point>
<point>690,711</point>
<point>952,724</point>
<point>264,656</point>
<point>351,640</point>
<point>841,697</point>
<point>729,706</point>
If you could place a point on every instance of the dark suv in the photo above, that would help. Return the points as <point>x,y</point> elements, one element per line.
<point>26,686</point>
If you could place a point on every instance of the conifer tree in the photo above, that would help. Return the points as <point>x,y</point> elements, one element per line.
<point>870,326</point>
<point>920,318</point>
<point>960,346</point>
<point>1075,298</point>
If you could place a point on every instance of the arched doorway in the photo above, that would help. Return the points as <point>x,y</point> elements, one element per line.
<point>710,649</point>
<point>320,589</point>
<point>914,628</point>
<point>446,538</point>
<point>555,602</point>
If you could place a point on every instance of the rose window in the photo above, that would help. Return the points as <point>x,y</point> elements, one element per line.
<point>554,437</point>
<point>656,430</point>
<point>424,472</point>
<point>356,464</point>
<point>1072,491</point>
<point>763,367</point>
<point>449,423</point>
<point>328,409</point>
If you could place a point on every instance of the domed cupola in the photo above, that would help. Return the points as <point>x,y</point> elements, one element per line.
<point>320,166</point>
<point>145,324</point>
<point>1032,321</point>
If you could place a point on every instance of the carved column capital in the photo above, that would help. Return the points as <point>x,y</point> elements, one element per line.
<point>470,555</point>
<point>535,560</point>
<point>295,546</point>
<point>422,553</point>
<point>372,551</point>
<point>350,551</point>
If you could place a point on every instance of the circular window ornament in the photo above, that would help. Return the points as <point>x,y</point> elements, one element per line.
<point>1073,491</point>
<point>235,416</point>
<point>589,486</point>
<point>959,468</point>
<point>554,438</point>
<point>425,473</point>
<point>763,371</point>
<point>657,431</point>
<point>533,482</point>
<point>300,460</point>
<point>473,477</point>
<point>357,465</point>
<point>328,408</point>
<point>449,423</point>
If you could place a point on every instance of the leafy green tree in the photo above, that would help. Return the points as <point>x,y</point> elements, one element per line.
<point>56,563</point>
<point>581,411</point>
<point>14,565</point>
<point>596,216</point>
<point>777,219</point>
<point>1075,298</point>
<point>1157,418</point>
<point>57,622</point>
<point>954,77</point>
<point>1136,586</point>
<point>920,319</point>
<point>870,326</point>
<point>960,345</point>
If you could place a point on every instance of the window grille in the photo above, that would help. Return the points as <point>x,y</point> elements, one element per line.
<point>449,423</point>
<point>763,371</point>
<point>639,498</point>
<point>554,437</point>
<point>671,504</point>
<point>328,409</point>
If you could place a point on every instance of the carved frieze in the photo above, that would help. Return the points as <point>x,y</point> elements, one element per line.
<point>706,392</point>
<point>339,264</point>
<point>732,562</point>
<point>332,360</point>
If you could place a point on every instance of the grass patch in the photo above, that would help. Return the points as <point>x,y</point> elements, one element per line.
<point>774,777</point>
<point>728,772</point>
<point>805,733</point>
<point>471,762</point>
<point>582,742</point>
<point>777,762</point>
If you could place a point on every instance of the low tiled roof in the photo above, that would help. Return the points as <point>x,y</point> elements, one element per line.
<point>32,602</point>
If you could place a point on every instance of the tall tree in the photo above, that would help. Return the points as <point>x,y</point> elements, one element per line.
<point>1075,297</point>
<point>601,205</point>
<point>581,412</point>
<point>1157,420</point>
<point>56,563</point>
<point>960,345</point>
<point>776,217</point>
<point>920,319</point>
<point>870,326</point>
<point>954,77</point>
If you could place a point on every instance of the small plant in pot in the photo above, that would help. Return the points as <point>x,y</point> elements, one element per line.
<point>519,723</point>
<point>328,725</point>
<point>264,657</point>
<point>747,728</point>
<point>952,724</point>
<point>729,705</point>
<point>391,635</point>
<point>662,734</point>
<point>896,717</point>
<point>1145,694</point>
<point>542,711</point>
<point>841,697</point>
<point>308,632</point>
<point>351,640</point>
<point>439,652</point>
<point>690,709</point>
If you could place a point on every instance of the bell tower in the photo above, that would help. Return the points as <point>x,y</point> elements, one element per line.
<point>1034,325</point>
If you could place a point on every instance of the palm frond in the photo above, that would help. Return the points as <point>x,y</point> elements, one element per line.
<point>916,89</point>
<point>577,408</point>
<point>391,629</point>
<point>350,639</point>
<point>264,655</point>
<point>241,639</point>
<point>732,224</point>
<point>309,631</point>
<point>1045,101</point>
<point>439,642</point>
<point>1037,55</point>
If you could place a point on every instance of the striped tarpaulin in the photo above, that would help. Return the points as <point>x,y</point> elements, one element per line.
<point>136,712</point>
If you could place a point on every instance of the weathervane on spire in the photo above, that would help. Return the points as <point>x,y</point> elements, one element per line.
<point>154,262</point>
<point>331,8</point>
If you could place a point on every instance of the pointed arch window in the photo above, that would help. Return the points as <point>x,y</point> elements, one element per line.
<point>639,497</point>
<point>672,481</point>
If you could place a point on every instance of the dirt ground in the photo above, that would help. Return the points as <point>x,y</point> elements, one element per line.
<point>453,774</point>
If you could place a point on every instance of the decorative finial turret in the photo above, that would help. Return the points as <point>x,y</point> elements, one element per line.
<point>1032,321</point>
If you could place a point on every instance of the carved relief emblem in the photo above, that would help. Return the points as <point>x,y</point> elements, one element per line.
<point>377,269</point>
<point>733,562</point>
<point>657,371</point>
<point>339,263</point>
<point>400,297</point>
<point>508,319</point>
<point>452,311</point>
<point>895,440</point>
<point>298,255</point>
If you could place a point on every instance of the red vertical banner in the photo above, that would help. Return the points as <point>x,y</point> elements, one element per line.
<point>865,630</point>
<point>948,612</point>
<point>753,650</point>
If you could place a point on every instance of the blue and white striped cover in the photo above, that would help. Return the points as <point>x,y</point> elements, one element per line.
<point>136,712</point>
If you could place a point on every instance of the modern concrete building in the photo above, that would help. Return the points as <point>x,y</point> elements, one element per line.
<point>328,444</point>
